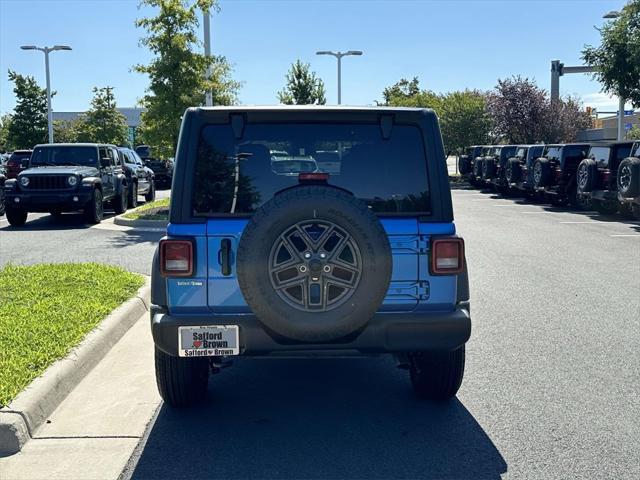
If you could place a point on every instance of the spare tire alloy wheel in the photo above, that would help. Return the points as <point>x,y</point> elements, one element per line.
<point>314,264</point>
<point>537,174</point>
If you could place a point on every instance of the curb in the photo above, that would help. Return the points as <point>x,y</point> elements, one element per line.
<point>41,397</point>
<point>125,222</point>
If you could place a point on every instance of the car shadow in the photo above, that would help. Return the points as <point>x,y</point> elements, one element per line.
<point>66,221</point>
<point>317,418</point>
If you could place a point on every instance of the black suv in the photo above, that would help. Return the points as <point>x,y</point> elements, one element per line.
<point>163,169</point>
<point>262,261</point>
<point>66,177</point>
<point>3,178</point>
<point>555,173</point>
<point>519,174</point>
<point>141,179</point>
<point>494,166</point>
<point>628,180</point>
<point>597,174</point>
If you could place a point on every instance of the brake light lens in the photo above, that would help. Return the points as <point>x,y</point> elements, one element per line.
<point>176,258</point>
<point>313,177</point>
<point>447,256</point>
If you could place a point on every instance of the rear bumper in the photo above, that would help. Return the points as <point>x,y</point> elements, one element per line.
<point>45,201</point>
<point>385,332</point>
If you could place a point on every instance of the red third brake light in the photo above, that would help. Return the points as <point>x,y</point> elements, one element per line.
<point>176,258</point>
<point>311,177</point>
<point>447,256</point>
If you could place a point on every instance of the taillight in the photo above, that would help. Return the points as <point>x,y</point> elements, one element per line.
<point>176,258</point>
<point>447,256</point>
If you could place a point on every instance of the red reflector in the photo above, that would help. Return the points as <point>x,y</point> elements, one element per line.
<point>313,177</point>
<point>176,258</point>
<point>447,256</point>
<point>11,163</point>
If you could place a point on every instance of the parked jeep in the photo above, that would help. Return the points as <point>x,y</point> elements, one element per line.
<point>494,166</point>
<point>17,162</point>
<point>519,174</point>
<point>256,262</point>
<point>140,179</point>
<point>66,177</point>
<point>597,174</point>
<point>628,180</point>
<point>555,173</point>
<point>476,166</point>
<point>162,169</point>
<point>465,162</point>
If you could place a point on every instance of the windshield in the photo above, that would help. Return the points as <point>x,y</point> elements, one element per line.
<point>64,155</point>
<point>237,176</point>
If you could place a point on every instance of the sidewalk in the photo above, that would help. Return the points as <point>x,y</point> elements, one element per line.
<point>92,434</point>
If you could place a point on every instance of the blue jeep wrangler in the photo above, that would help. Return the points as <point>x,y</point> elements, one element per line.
<point>320,230</point>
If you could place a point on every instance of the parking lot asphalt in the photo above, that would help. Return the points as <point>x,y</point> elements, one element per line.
<point>550,391</point>
<point>68,239</point>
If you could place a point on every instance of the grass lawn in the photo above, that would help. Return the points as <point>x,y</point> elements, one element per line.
<point>158,210</point>
<point>47,309</point>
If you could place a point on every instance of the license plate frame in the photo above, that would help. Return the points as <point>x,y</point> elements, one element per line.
<point>208,340</point>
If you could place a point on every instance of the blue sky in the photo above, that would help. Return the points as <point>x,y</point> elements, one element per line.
<point>449,45</point>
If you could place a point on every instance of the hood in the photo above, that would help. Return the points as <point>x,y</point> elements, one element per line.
<point>82,171</point>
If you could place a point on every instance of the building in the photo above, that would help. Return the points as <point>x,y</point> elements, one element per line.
<point>132,115</point>
<point>607,127</point>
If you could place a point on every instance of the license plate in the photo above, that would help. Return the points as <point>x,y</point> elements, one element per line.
<point>208,341</point>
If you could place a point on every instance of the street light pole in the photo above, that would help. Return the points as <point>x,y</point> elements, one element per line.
<point>46,51</point>
<point>339,56</point>
<point>207,52</point>
<point>621,101</point>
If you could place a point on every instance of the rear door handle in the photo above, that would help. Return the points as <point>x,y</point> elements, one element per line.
<point>224,256</point>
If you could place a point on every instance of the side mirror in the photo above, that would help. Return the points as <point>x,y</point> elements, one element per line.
<point>105,162</point>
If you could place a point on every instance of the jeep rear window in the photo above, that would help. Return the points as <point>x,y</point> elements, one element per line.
<point>236,176</point>
<point>600,155</point>
<point>64,156</point>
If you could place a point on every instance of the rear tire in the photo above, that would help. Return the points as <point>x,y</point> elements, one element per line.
<point>437,375</point>
<point>16,217</point>
<point>151,194</point>
<point>133,195</point>
<point>120,202</point>
<point>181,381</point>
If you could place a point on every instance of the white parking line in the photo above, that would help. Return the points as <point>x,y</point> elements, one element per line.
<point>571,223</point>
<point>535,212</point>
<point>627,235</point>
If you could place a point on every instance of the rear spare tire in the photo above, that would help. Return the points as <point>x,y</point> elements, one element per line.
<point>314,264</point>
<point>629,177</point>
<point>514,171</point>
<point>587,173</point>
<point>464,164</point>
<point>541,173</point>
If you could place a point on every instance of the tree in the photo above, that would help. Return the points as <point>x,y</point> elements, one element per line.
<point>617,59</point>
<point>28,126</point>
<point>407,93</point>
<point>519,109</point>
<point>102,123</point>
<point>66,131</point>
<point>5,121</point>
<point>523,113</point>
<point>564,119</point>
<point>634,133</point>
<point>177,74</point>
<point>463,117</point>
<point>303,86</point>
